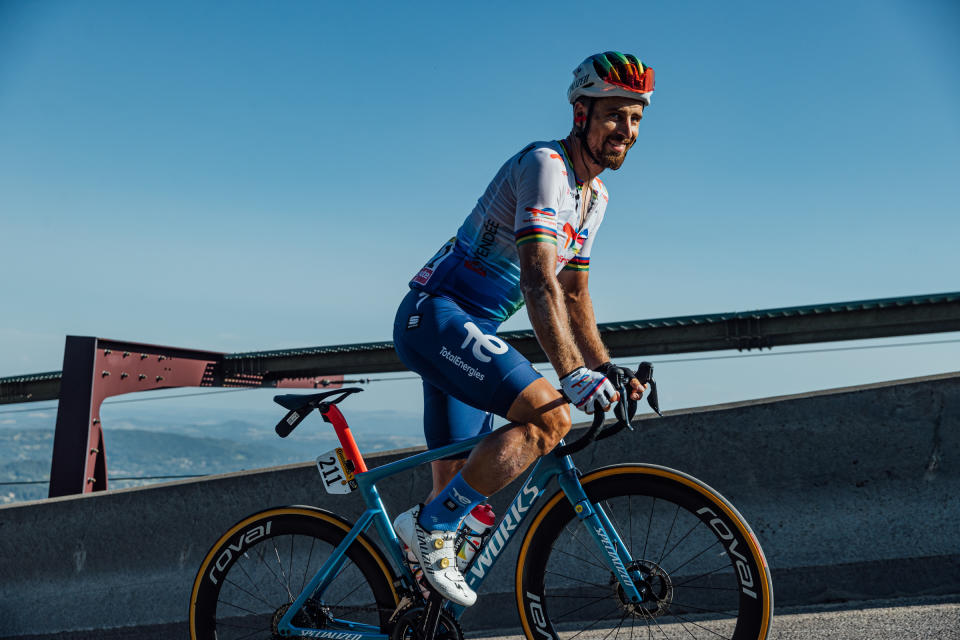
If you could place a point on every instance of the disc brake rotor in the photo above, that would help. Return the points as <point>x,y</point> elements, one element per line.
<point>656,590</point>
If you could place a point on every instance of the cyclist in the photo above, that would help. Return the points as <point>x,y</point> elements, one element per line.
<point>528,240</point>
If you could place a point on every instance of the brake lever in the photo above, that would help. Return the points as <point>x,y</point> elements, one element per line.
<point>618,411</point>
<point>645,376</point>
<point>652,399</point>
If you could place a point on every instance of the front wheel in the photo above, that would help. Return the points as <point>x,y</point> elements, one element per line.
<point>703,572</point>
<point>253,573</point>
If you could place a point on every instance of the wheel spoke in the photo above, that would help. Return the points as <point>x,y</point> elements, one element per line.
<point>263,561</point>
<point>715,543</point>
<point>595,622</point>
<point>616,629</point>
<point>586,604</point>
<point>290,562</point>
<point>651,618</point>
<point>589,548</point>
<point>696,624</point>
<point>349,593</point>
<point>684,626</point>
<point>649,524</point>
<point>253,583</point>
<point>675,514</point>
<point>255,596</point>
<point>583,560</point>
<point>580,580</point>
<point>285,582</point>
<point>306,567</point>
<point>236,606</point>
<point>702,575</point>
<point>677,544</point>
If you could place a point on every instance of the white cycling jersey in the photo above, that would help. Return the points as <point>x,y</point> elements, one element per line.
<point>533,198</point>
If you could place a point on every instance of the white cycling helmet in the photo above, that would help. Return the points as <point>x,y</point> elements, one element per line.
<point>612,74</point>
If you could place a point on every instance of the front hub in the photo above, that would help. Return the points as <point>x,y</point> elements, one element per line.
<point>655,587</point>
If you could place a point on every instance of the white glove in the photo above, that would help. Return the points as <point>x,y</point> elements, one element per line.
<point>584,387</point>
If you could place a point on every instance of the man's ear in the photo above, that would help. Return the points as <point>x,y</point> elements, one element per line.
<point>579,115</point>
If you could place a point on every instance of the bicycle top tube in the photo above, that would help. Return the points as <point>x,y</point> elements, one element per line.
<point>372,476</point>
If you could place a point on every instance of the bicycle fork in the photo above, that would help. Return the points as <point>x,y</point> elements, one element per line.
<point>616,554</point>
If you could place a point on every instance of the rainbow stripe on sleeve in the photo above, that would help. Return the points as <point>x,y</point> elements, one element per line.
<point>536,233</point>
<point>578,264</point>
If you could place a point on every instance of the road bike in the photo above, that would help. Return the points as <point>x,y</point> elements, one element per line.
<point>635,548</point>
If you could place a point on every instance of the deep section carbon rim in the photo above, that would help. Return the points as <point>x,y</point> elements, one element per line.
<point>250,578</point>
<point>701,570</point>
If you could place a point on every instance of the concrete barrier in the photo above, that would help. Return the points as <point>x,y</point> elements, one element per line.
<point>853,493</point>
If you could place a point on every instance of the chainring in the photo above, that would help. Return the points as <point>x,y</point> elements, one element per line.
<point>410,619</point>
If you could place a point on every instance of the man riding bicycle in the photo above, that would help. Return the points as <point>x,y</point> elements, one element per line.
<point>527,241</point>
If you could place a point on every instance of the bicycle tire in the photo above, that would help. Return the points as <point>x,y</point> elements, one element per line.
<point>256,569</point>
<point>707,569</point>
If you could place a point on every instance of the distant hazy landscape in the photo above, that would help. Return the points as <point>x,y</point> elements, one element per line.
<point>201,442</point>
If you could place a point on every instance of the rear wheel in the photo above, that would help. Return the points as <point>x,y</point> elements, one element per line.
<point>251,576</point>
<point>703,572</point>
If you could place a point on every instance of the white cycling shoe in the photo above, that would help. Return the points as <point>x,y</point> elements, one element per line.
<point>434,550</point>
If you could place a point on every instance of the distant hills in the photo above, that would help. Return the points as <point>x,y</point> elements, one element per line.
<point>160,445</point>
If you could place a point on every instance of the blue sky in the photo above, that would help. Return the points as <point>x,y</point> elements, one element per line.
<point>250,175</point>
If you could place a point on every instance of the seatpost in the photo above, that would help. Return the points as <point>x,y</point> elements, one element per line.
<point>332,414</point>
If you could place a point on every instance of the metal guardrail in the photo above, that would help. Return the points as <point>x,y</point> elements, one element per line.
<point>766,328</point>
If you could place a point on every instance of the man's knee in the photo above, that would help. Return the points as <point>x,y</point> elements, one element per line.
<point>544,414</point>
<point>555,424</point>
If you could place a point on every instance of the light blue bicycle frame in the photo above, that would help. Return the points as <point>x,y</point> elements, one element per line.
<point>550,466</point>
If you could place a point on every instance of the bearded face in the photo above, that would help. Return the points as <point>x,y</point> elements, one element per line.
<point>612,129</point>
<point>614,151</point>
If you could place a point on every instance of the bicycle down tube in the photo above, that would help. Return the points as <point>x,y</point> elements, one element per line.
<point>544,470</point>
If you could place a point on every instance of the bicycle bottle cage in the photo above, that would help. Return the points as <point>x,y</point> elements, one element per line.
<point>300,406</point>
<point>644,374</point>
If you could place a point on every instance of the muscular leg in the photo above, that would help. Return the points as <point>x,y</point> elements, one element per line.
<point>542,417</point>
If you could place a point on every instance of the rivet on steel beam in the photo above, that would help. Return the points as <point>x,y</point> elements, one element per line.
<point>91,480</point>
<point>94,450</point>
<point>141,376</point>
<point>159,378</point>
<point>96,421</point>
<point>107,352</point>
<point>143,356</point>
<point>126,353</point>
<point>105,374</point>
<point>124,375</point>
<point>163,357</point>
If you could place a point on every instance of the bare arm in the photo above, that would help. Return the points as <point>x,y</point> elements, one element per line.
<point>576,295</point>
<point>546,307</point>
<point>583,323</point>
